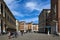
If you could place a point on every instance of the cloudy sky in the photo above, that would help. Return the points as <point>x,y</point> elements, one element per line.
<point>27,10</point>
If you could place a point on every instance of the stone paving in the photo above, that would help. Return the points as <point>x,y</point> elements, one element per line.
<point>32,36</point>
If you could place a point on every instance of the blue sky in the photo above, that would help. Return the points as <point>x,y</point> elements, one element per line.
<point>27,10</point>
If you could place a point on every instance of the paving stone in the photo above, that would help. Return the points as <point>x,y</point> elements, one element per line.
<point>32,36</point>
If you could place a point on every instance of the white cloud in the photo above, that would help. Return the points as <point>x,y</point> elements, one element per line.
<point>31,5</point>
<point>15,13</point>
<point>31,19</point>
<point>9,1</point>
<point>45,6</point>
<point>36,6</point>
<point>12,5</point>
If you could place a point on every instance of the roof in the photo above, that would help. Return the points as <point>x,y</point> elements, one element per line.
<point>43,11</point>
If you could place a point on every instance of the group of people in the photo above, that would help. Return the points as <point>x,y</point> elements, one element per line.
<point>12,34</point>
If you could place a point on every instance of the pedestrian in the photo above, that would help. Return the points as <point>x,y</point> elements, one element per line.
<point>9,34</point>
<point>15,34</point>
<point>22,32</point>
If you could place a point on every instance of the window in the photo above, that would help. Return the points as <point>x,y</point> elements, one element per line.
<point>54,9</point>
<point>7,17</point>
<point>4,12</point>
<point>0,8</point>
<point>47,14</point>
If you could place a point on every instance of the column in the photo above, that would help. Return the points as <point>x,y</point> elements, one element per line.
<point>1,26</point>
<point>56,27</point>
<point>48,31</point>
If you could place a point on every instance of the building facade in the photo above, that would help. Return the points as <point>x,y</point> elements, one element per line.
<point>22,26</point>
<point>44,25</point>
<point>55,15</point>
<point>29,27</point>
<point>26,27</point>
<point>17,26</point>
<point>7,20</point>
<point>35,28</point>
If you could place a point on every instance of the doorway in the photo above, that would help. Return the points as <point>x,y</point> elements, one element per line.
<point>48,29</point>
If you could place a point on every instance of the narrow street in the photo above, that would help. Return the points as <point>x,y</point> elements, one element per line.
<point>32,36</point>
<point>30,19</point>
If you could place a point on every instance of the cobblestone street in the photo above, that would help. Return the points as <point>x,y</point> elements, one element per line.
<point>32,36</point>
